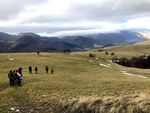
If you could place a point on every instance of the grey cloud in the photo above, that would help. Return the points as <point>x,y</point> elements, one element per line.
<point>19,29</point>
<point>50,19</point>
<point>11,8</point>
<point>110,10</point>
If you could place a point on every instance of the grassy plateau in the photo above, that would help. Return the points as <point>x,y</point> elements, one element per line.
<point>80,84</point>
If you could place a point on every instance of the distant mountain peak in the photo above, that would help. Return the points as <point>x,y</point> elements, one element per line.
<point>31,42</point>
<point>29,34</point>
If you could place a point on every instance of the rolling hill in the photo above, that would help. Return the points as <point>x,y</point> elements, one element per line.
<point>80,84</point>
<point>30,42</point>
<point>142,48</point>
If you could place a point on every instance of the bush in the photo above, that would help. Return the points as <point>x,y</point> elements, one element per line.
<point>138,62</point>
<point>106,53</point>
<point>92,55</point>
<point>112,54</point>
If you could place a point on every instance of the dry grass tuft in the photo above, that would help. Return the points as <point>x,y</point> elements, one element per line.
<point>127,104</point>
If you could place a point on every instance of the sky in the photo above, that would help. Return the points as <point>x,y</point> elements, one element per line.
<point>71,17</point>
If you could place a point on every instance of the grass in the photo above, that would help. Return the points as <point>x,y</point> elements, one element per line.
<point>142,48</point>
<point>79,84</point>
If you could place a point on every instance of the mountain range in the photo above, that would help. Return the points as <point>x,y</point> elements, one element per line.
<point>30,42</point>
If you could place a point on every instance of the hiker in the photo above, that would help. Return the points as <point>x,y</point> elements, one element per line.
<point>52,70</point>
<point>14,76</point>
<point>30,70</point>
<point>36,69</point>
<point>11,78</point>
<point>47,69</point>
<point>20,70</point>
<point>18,76</point>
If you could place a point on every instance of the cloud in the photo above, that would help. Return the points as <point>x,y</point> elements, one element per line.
<point>138,23</point>
<point>95,10</point>
<point>64,16</point>
<point>11,8</point>
<point>112,10</point>
<point>56,29</point>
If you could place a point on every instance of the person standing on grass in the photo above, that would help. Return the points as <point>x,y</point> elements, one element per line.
<point>36,70</point>
<point>47,69</point>
<point>20,70</point>
<point>52,71</point>
<point>15,78</point>
<point>30,70</point>
<point>11,78</point>
<point>18,76</point>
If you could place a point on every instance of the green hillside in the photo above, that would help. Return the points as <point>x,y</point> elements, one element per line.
<point>132,50</point>
<point>80,84</point>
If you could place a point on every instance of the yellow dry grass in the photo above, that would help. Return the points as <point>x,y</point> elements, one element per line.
<point>79,84</point>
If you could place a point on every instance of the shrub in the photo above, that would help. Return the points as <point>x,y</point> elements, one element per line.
<point>92,55</point>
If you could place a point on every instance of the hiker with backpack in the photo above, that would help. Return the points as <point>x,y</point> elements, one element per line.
<point>52,71</point>
<point>18,78</point>
<point>36,70</point>
<point>47,69</point>
<point>30,70</point>
<point>20,70</point>
<point>11,78</point>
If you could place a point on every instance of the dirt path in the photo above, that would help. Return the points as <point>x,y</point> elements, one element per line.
<point>130,74</point>
<point>107,66</point>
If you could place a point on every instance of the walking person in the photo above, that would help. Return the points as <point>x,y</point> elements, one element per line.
<point>15,77</point>
<point>36,70</point>
<point>30,70</point>
<point>47,69</point>
<point>52,71</point>
<point>18,76</point>
<point>20,70</point>
<point>11,78</point>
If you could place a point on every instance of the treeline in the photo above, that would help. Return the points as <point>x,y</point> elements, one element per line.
<point>138,62</point>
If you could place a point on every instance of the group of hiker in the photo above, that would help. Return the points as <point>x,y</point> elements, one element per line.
<point>15,76</point>
<point>36,70</point>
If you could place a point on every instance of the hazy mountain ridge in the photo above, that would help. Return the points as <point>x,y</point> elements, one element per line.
<point>30,42</point>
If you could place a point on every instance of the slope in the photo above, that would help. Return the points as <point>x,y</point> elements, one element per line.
<point>142,48</point>
<point>79,84</point>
